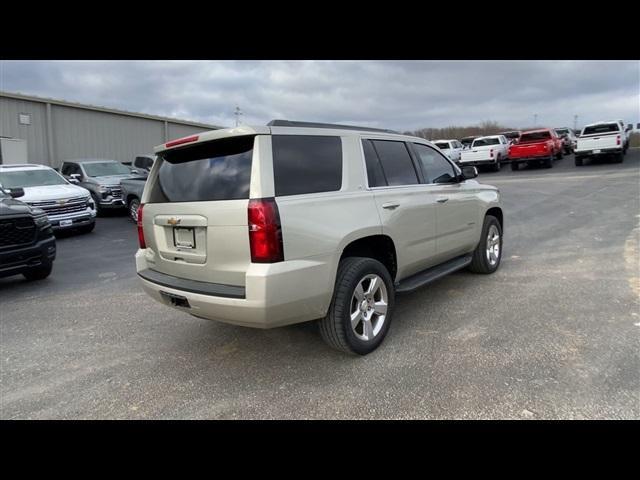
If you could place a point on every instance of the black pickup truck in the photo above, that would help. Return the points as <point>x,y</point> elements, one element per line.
<point>27,244</point>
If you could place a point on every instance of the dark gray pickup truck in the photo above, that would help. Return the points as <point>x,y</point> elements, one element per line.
<point>132,193</point>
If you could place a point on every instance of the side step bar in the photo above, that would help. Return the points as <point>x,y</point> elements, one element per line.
<point>420,279</point>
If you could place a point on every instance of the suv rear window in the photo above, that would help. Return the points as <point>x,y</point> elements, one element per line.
<point>216,170</point>
<point>602,128</point>
<point>306,164</point>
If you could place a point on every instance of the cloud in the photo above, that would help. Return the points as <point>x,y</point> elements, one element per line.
<point>402,95</point>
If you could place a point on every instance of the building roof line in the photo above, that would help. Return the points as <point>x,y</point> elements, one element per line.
<point>96,108</point>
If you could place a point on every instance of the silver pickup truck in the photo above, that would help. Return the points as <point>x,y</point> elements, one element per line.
<point>132,189</point>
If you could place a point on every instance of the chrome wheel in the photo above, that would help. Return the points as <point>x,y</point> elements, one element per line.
<point>369,307</point>
<point>493,245</point>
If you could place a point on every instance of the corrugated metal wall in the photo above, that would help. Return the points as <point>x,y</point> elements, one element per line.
<point>82,133</point>
<point>35,134</point>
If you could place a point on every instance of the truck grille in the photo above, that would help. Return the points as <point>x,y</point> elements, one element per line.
<point>116,192</point>
<point>55,207</point>
<point>17,231</point>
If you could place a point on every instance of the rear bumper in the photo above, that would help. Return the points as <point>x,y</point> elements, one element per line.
<point>540,158</point>
<point>476,163</point>
<point>273,295</point>
<point>604,151</point>
<point>20,260</point>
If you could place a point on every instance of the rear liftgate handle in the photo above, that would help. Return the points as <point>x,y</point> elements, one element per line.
<point>442,200</point>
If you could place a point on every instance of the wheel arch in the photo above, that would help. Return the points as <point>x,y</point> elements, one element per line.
<point>379,247</point>
<point>496,212</point>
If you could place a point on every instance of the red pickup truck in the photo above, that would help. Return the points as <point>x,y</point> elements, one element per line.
<point>539,146</point>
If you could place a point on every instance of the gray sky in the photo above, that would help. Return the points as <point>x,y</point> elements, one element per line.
<point>402,95</point>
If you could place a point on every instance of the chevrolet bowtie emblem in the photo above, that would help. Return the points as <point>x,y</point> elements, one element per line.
<point>174,221</point>
<point>61,202</point>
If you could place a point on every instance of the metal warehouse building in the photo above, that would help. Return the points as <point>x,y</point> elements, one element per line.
<point>56,130</point>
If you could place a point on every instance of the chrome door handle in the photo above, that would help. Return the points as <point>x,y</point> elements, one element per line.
<point>390,205</point>
<point>442,200</point>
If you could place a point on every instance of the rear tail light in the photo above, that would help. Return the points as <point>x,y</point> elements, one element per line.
<point>141,241</point>
<point>491,153</point>
<point>265,231</point>
<point>618,140</point>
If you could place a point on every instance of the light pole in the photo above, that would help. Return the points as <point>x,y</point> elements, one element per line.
<point>237,113</point>
<point>535,119</point>
<point>575,122</point>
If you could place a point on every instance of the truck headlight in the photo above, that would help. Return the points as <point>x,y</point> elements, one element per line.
<point>42,221</point>
<point>90,204</point>
<point>103,189</point>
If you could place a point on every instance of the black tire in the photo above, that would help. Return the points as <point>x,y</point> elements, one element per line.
<point>39,273</point>
<point>496,166</point>
<point>88,228</point>
<point>618,158</point>
<point>99,210</point>
<point>514,166</point>
<point>335,328</point>
<point>480,263</point>
<point>559,156</point>
<point>132,207</point>
<point>548,163</point>
<point>579,161</point>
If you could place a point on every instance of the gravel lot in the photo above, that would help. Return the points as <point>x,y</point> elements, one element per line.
<point>555,333</point>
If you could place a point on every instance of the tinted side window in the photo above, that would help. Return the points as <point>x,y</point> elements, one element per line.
<point>374,169</point>
<point>306,164</point>
<point>217,170</point>
<point>396,162</point>
<point>434,165</point>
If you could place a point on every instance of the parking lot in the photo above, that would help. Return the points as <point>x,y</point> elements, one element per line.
<point>554,333</point>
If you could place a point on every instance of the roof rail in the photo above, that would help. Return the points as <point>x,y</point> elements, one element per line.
<point>292,123</point>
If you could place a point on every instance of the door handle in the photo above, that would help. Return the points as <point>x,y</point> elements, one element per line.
<point>442,200</point>
<point>390,205</point>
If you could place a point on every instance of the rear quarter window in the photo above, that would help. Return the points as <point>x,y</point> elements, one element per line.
<point>306,164</point>
<point>217,170</point>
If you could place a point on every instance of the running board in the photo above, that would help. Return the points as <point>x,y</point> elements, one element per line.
<point>427,276</point>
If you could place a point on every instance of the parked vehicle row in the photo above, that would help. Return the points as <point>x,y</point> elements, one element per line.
<point>539,146</point>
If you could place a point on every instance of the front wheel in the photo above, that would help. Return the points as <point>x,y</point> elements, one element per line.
<point>39,273</point>
<point>360,312</point>
<point>134,205</point>
<point>487,255</point>
<point>578,161</point>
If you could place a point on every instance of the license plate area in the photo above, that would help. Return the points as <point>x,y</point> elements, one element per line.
<point>184,238</point>
<point>175,300</point>
<point>597,151</point>
<point>66,223</point>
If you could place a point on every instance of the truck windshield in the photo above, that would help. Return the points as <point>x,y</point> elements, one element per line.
<point>103,169</point>
<point>562,131</point>
<point>442,145</point>
<point>601,128</point>
<point>534,137</point>
<point>481,142</point>
<point>30,178</point>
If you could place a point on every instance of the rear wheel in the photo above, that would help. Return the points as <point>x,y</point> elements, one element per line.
<point>496,166</point>
<point>559,156</point>
<point>618,158</point>
<point>514,166</point>
<point>578,161</point>
<point>360,312</point>
<point>487,255</point>
<point>39,273</point>
<point>548,163</point>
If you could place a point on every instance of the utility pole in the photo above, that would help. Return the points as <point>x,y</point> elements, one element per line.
<point>237,113</point>
<point>575,122</point>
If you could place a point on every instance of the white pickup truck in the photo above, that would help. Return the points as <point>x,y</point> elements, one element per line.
<point>491,150</point>
<point>602,138</point>
<point>451,148</point>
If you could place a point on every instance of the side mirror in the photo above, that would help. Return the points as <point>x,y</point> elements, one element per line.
<point>74,178</point>
<point>134,171</point>
<point>16,192</point>
<point>469,172</point>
